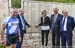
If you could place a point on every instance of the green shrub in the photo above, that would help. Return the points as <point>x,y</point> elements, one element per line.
<point>2,46</point>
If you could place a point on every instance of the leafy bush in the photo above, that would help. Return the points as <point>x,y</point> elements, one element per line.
<point>64,1</point>
<point>2,46</point>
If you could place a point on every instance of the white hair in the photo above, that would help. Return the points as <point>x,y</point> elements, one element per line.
<point>65,10</point>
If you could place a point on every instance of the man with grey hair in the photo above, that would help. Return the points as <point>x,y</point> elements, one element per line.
<point>66,28</point>
<point>22,24</point>
<point>55,28</point>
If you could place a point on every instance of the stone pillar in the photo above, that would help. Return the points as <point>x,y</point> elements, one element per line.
<point>9,3</point>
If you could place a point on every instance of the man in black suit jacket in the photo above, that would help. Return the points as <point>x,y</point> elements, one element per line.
<point>55,28</point>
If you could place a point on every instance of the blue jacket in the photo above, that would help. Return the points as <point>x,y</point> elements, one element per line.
<point>56,25</point>
<point>20,24</point>
<point>70,24</point>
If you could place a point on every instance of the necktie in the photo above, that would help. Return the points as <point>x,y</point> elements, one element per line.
<point>63,22</point>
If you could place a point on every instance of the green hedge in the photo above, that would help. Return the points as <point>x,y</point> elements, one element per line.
<point>64,1</point>
<point>16,3</point>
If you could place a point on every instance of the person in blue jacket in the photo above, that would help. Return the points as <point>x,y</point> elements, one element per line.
<point>22,24</point>
<point>66,28</point>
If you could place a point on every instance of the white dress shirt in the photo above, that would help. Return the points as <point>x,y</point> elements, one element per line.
<point>43,19</point>
<point>65,24</point>
<point>22,21</point>
<point>55,17</point>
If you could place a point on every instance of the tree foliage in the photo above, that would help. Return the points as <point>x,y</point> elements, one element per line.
<point>64,1</point>
<point>16,3</point>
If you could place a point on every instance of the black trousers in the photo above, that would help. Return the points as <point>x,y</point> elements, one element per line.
<point>56,39</point>
<point>44,34</point>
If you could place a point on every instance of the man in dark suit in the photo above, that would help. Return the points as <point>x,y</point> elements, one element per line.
<point>55,28</point>
<point>66,28</point>
<point>22,25</point>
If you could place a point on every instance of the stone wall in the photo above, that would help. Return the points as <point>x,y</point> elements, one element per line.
<point>32,14</point>
<point>3,10</point>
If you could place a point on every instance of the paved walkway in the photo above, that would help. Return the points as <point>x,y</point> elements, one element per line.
<point>34,40</point>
